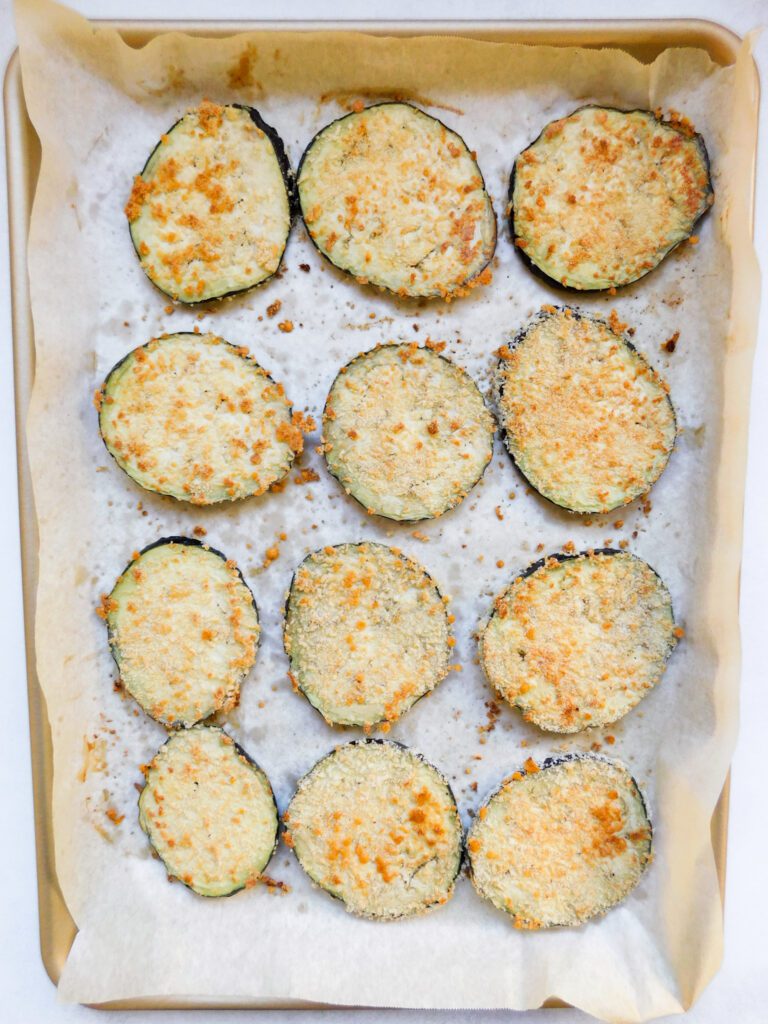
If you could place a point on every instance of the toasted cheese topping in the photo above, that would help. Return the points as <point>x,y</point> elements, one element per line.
<point>194,417</point>
<point>210,213</point>
<point>578,642</point>
<point>562,843</point>
<point>406,432</point>
<point>366,631</point>
<point>588,421</point>
<point>209,812</point>
<point>183,629</point>
<point>377,827</point>
<point>395,198</point>
<point>601,197</point>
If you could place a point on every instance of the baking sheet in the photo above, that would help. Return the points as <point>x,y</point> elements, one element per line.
<point>295,946</point>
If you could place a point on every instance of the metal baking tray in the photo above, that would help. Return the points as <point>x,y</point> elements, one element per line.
<point>644,39</point>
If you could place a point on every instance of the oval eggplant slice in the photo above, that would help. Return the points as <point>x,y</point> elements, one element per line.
<point>578,640</point>
<point>198,419</point>
<point>603,195</point>
<point>393,197</point>
<point>209,812</point>
<point>587,420</point>
<point>559,844</point>
<point>406,432</point>
<point>183,629</point>
<point>211,211</point>
<point>377,827</point>
<point>366,631</point>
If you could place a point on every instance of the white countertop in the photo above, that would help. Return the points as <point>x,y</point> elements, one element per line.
<point>740,991</point>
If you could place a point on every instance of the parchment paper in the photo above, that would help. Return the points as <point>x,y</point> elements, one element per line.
<point>99,106</point>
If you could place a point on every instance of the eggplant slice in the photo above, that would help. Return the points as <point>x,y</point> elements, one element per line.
<point>603,195</point>
<point>559,844</point>
<point>366,631</point>
<point>587,420</point>
<point>377,827</point>
<point>211,211</point>
<point>193,417</point>
<point>209,812</point>
<point>183,629</point>
<point>396,199</point>
<point>578,640</point>
<point>406,432</point>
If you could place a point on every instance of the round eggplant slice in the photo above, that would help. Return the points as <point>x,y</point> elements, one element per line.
<point>406,432</point>
<point>183,629</point>
<point>377,827</point>
<point>587,420</point>
<point>210,213</point>
<point>559,844</point>
<point>366,631</point>
<point>209,812</point>
<point>196,418</point>
<point>579,640</point>
<point>395,198</point>
<point>603,195</point>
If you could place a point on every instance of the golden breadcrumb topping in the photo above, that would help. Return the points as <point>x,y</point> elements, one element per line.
<point>602,195</point>
<point>587,419</point>
<point>366,631</point>
<point>406,432</point>
<point>391,195</point>
<point>210,214</point>
<point>579,642</point>
<point>209,812</point>
<point>376,826</point>
<point>558,845</point>
<point>194,417</point>
<point>184,631</point>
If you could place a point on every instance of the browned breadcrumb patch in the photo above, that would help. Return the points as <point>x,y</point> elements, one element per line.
<point>617,326</point>
<point>105,606</point>
<point>240,74</point>
<point>671,343</point>
<point>293,433</point>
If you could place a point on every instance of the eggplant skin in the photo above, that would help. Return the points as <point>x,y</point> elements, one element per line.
<point>297,675</point>
<point>576,315</point>
<point>245,756</point>
<point>478,275</point>
<point>289,182</point>
<point>690,137</point>
<point>369,743</point>
<point>354,487</point>
<point>575,916</point>
<point>568,706</point>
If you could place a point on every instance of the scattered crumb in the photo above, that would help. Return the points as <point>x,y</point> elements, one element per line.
<point>671,343</point>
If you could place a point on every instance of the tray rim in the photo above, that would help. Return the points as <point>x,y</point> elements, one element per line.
<point>57,929</point>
